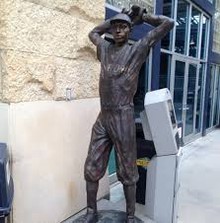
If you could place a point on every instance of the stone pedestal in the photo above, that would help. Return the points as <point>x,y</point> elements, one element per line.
<point>109,216</point>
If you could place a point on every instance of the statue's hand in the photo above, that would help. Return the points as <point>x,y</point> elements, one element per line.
<point>135,13</point>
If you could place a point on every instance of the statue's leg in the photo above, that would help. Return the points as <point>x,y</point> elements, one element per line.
<point>91,190</point>
<point>95,166</point>
<point>126,155</point>
<point>130,197</point>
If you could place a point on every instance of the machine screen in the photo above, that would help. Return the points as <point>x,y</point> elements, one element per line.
<point>172,114</point>
<point>177,140</point>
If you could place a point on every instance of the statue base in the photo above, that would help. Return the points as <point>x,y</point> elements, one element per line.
<point>108,216</point>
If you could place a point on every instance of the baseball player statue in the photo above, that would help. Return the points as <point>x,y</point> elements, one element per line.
<point>115,124</point>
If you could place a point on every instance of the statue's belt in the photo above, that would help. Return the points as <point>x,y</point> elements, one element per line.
<point>117,107</point>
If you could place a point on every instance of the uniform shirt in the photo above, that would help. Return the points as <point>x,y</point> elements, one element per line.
<point>120,68</point>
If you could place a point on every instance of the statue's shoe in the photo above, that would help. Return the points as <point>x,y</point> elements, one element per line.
<point>91,218</point>
<point>130,219</point>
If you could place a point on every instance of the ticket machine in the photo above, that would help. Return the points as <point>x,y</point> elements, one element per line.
<point>160,125</point>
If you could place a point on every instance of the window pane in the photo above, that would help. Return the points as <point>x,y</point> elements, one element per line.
<point>210,99</point>
<point>165,61</point>
<point>191,89</point>
<point>216,36</point>
<point>181,27</point>
<point>194,33</point>
<point>217,98</point>
<point>204,37</point>
<point>199,98</point>
<point>167,11</point>
<point>179,89</point>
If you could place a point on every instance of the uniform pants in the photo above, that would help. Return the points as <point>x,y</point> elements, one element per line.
<point>113,127</point>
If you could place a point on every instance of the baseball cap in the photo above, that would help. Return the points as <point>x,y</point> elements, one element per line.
<point>121,17</point>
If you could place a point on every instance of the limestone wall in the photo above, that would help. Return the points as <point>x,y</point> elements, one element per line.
<point>44,49</point>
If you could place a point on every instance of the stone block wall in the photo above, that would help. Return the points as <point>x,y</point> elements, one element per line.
<point>44,49</point>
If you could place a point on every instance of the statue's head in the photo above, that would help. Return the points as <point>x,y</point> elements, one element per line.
<point>120,27</point>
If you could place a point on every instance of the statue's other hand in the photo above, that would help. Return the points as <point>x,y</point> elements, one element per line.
<point>137,14</point>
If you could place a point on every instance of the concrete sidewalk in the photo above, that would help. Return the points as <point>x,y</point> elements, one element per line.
<point>199,195</point>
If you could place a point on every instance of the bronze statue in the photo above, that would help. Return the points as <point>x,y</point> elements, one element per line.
<point>115,125</point>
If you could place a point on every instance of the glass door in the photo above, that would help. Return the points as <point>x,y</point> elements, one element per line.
<point>178,88</point>
<point>187,97</point>
<point>189,104</point>
<point>199,95</point>
<point>211,98</point>
<point>216,96</point>
<point>213,102</point>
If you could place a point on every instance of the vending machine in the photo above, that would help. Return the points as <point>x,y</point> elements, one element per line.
<point>160,126</point>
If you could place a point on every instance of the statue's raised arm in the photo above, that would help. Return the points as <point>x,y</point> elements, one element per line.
<point>161,23</point>
<point>98,31</point>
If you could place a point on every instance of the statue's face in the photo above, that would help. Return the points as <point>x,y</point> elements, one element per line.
<point>120,32</point>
